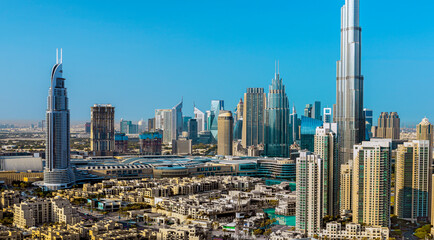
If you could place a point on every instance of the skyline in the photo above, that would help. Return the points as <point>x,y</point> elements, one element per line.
<point>230,63</point>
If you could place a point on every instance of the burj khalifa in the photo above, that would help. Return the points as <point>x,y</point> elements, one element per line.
<point>349,83</point>
<point>58,173</point>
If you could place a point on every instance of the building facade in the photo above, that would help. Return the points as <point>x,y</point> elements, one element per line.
<point>369,122</point>
<point>253,117</point>
<point>349,87</point>
<point>58,173</point>
<point>388,126</point>
<point>326,146</point>
<point>371,183</point>
<point>277,130</point>
<point>102,136</point>
<point>327,115</point>
<point>308,128</point>
<point>309,206</point>
<point>151,143</point>
<point>345,191</point>
<point>413,174</point>
<point>201,120</point>
<point>38,211</point>
<point>121,143</point>
<point>216,107</point>
<point>225,133</point>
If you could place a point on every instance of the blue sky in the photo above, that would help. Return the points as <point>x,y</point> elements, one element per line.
<point>143,55</point>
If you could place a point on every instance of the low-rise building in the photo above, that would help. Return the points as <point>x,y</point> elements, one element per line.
<point>335,230</point>
<point>38,211</point>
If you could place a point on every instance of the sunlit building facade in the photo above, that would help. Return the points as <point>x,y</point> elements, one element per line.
<point>58,173</point>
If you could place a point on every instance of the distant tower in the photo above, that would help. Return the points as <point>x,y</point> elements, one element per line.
<point>327,115</point>
<point>425,131</point>
<point>349,91</point>
<point>216,107</point>
<point>58,173</point>
<point>192,130</point>
<point>388,126</point>
<point>369,122</point>
<point>102,136</point>
<point>277,132</point>
<point>253,117</point>
<point>240,110</point>
<point>295,126</point>
<point>201,119</point>
<point>225,133</point>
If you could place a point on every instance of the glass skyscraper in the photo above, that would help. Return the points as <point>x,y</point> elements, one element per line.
<point>277,129</point>
<point>216,106</point>
<point>349,91</point>
<point>307,132</point>
<point>58,173</point>
<point>253,117</point>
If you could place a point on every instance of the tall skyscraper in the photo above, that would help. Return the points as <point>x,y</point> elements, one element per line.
<point>425,131</point>
<point>216,107</point>
<point>201,119</point>
<point>295,126</point>
<point>164,120</point>
<point>413,164</point>
<point>349,91</point>
<point>185,120</point>
<point>371,182</point>
<point>308,110</point>
<point>388,126</point>
<point>58,173</point>
<point>327,115</point>
<point>151,124</point>
<point>316,110</point>
<point>309,205</point>
<point>326,146</point>
<point>192,130</point>
<point>178,120</point>
<point>253,117</point>
<point>277,132</point>
<point>225,133</point>
<point>102,136</point>
<point>369,122</point>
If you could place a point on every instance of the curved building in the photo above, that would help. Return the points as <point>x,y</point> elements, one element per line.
<point>58,173</point>
<point>225,133</point>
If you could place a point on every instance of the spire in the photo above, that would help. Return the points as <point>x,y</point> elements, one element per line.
<point>57,56</point>
<point>61,56</point>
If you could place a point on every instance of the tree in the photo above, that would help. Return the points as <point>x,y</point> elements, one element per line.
<point>267,232</point>
<point>257,231</point>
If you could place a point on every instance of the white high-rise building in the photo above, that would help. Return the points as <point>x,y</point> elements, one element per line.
<point>309,206</point>
<point>201,119</point>
<point>326,146</point>
<point>349,92</point>
<point>327,115</point>
<point>58,173</point>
